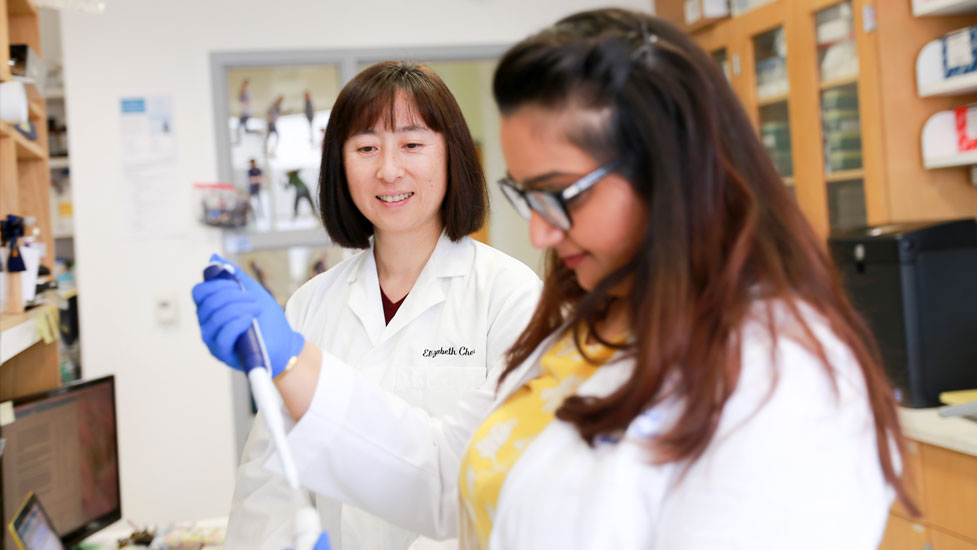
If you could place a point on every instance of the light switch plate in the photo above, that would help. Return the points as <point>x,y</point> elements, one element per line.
<point>165,306</point>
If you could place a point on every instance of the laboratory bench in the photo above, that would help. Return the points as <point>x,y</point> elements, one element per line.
<point>941,468</point>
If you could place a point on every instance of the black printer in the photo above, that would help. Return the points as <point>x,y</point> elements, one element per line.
<point>915,284</point>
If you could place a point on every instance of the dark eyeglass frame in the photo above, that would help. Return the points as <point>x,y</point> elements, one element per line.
<point>552,205</point>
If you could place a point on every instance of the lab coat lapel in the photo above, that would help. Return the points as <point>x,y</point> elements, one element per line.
<point>448,259</point>
<point>364,296</point>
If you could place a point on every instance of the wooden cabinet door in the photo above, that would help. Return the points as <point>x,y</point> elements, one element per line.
<point>901,534</point>
<point>764,39</point>
<point>943,541</point>
<point>912,477</point>
<point>950,490</point>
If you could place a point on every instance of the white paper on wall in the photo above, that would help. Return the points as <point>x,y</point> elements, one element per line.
<point>151,190</point>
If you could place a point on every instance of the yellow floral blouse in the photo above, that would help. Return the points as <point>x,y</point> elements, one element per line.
<point>499,442</point>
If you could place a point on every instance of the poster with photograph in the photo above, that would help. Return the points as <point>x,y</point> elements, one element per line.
<point>276,120</point>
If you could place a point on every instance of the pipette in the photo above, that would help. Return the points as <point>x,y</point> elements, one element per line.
<point>251,351</point>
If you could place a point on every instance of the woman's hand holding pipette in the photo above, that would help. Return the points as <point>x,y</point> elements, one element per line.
<point>225,311</point>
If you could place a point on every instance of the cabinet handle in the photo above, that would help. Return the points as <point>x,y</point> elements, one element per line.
<point>736,64</point>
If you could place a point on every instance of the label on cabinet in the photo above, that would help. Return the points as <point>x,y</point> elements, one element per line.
<point>692,11</point>
<point>868,18</point>
<point>7,413</point>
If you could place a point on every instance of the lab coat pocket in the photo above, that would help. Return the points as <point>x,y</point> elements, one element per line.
<point>437,388</point>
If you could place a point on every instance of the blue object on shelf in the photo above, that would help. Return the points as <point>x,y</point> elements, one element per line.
<point>959,52</point>
<point>27,130</point>
<point>12,229</point>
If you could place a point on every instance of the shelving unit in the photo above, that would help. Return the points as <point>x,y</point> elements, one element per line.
<point>845,175</point>
<point>19,331</point>
<point>771,100</point>
<point>851,118</point>
<point>939,137</point>
<point>27,364</point>
<point>838,82</point>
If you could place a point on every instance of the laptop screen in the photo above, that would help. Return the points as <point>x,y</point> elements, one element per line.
<point>34,529</point>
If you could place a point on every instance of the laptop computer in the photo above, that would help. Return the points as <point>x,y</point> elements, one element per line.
<point>32,529</point>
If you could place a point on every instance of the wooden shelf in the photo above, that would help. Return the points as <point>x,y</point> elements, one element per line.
<point>960,159</point>
<point>36,111</point>
<point>29,364</point>
<point>943,7</point>
<point>703,23</point>
<point>845,175</point>
<point>18,331</point>
<point>20,7</point>
<point>26,149</point>
<point>771,100</point>
<point>838,82</point>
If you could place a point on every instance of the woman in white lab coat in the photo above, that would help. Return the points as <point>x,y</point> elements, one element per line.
<point>693,377</point>
<point>423,312</point>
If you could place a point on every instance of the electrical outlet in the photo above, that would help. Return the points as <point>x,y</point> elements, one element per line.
<point>166,313</point>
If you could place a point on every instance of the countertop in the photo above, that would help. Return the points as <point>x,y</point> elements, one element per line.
<point>926,425</point>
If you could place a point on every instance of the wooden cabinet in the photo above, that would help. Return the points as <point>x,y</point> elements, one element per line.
<point>942,541</point>
<point>945,487</point>
<point>25,188</point>
<point>903,534</point>
<point>950,487</point>
<point>913,478</point>
<point>844,129</point>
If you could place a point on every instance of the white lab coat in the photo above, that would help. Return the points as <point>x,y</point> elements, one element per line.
<point>465,310</point>
<point>796,467</point>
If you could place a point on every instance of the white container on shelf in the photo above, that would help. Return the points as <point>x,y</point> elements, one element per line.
<point>930,77</point>
<point>923,8</point>
<point>696,10</point>
<point>739,7</point>
<point>835,24</point>
<point>940,143</point>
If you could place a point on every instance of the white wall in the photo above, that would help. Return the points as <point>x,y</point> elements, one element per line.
<point>175,425</point>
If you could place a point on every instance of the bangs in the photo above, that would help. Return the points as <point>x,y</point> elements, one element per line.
<point>377,109</point>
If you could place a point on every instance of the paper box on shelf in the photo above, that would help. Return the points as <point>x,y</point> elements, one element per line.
<point>966,118</point>
<point>705,9</point>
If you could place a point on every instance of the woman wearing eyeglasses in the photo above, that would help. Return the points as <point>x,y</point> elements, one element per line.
<point>693,377</point>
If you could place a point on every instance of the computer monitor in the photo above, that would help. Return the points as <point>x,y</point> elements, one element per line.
<point>62,446</point>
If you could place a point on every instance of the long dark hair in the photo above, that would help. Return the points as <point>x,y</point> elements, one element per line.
<point>369,99</point>
<point>721,226</point>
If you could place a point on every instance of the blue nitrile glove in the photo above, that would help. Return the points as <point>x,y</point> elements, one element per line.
<point>321,544</point>
<point>225,312</point>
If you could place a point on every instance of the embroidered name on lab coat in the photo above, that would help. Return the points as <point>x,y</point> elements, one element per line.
<point>461,350</point>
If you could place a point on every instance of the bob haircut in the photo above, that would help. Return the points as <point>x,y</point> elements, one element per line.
<point>368,101</point>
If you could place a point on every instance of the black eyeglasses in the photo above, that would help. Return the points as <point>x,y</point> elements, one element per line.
<point>551,205</point>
